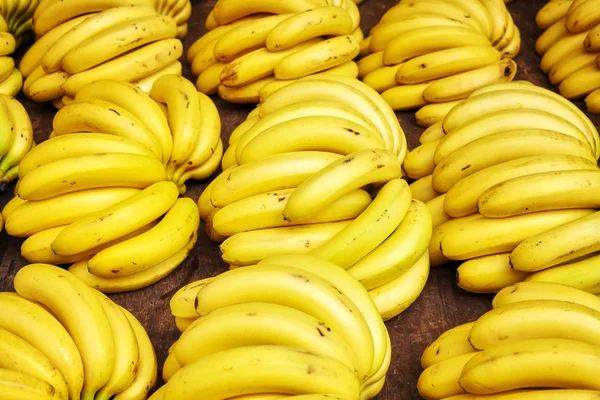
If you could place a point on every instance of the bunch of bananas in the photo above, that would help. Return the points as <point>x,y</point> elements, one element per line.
<point>107,201</point>
<point>61,340</point>
<point>511,179</point>
<point>15,20</point>
<point>250,44</point>
<point>293,183</point>
<point>16,138</point>
<point>83,41</point>
<point>434,53</point>
<point>570,48</point>
<point>537,336</point>
<point>271,323</point>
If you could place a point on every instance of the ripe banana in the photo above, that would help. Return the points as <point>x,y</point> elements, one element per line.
<point>419,162</point>
<point>453,342</point>
<point>488,274</point>
<point>574,62</point>
<point>539,290</point>
<point>405,97</point>
<point>550,36</point>
<point>436,255</point>
<point>436,209</point>
<point>552,12</point>
<point>581,274</point>
<point>440,380</point>
<point>91,171</point>
<point>18,385</point>
<point>249,93</point>
<point>382,79</point>
<point>182,302</point>
<point>145,84</point>
<point>370,63</point>
<point>247,248</point>
<point>592,102</point>
<point>583,16</point>
<point>78,309</point>
<point>432,113</point>
<point>486,236</point>
<point>434,132</point>
<point>592,40</point>
<point>22,133</point>
<point>560,49</point>
<point>230,10</point>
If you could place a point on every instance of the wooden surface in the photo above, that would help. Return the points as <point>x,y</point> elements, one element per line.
<point>442,304</point>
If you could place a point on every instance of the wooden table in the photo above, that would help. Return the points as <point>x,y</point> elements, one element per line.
<point>442,305</point>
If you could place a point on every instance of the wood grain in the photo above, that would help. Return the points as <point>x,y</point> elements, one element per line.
<point>441,306</point>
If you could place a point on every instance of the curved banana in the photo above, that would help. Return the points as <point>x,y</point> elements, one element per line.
<point>539,290</point>
<point>592,40</point>
<point>453,342</point>
<point>22,132</point>
<point>11,206</point>
<point>137,103</point>
<point>398,252</point>
<point>486,236</point>
<point>265,211</point>
<point>370,63</point>
<point>182,302</point>
<point>130,67</point>
<point>510,145</point>
<point>147,250</point>
<point>560,49</point>
<point>437,257</point>
<point>440,380</point>
<point>550,36</point>
<point>209,80</point>
<point>19,385</point>
<point>7,43</point>
<point>552,12</point>
<point>419,161</point>
<point>432,113</point>
<point>592,102</point>
<point>249,93</point>
<point>91,171</point>
<point>436,209</point>
<point>405,97</point>
<point>145,84</point>
<point>422,189</point>
<point>230,10</point>
<point>370,229</point>
<point>246,248</point>
<point>487,274</point>
<point>397,295</point>
<point>557,245</point>
<point>382,79</point>
<point>340,177</point>
<point>581,274</point>
<point>47,87</point>
<point>78,309</point>
<point>204,170</point>
<point>583,16</point>
<point>574,62</point>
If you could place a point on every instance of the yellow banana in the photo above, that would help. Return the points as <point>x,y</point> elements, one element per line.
<point>539,290</point>
<point>230,10</point>
<point>436,209</point>
<point>249,93</point>
<point>574,62</point>
<point>22,132</point>
<point>405,97</point>
<point>18,385</point>
<point>432,133</point>
<point>440,380</point>
<point>552,12</point>
<point>453,342</point>
<point>550,36</point>
<point>419,161</point>
<point>382,79</point>
<point>370,63</point>
<point>182,302</point>
<point>422,189</point>
<point>592,40</point>
<point>208,81</point>
<point>583,16</point>
<point>559,50</point>
<point>487,274</point>
<point>431,113</point>
<point>145,84</point>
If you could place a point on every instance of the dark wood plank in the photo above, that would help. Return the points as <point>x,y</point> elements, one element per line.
<point>442,304</point>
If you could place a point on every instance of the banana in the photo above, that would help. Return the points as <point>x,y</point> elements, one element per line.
<point>422,189</point>
<point>319,57</point>
<point>7,65</point>
<point>340,177</point>
<point>419,162</point>
<point>95,25</point>
<point>205,206</point>
<point>115,41</point>
<point>486,236</point>
<point>452,343</point>
<point>22,132</point>
<point>581,274</point>
<point>116,220</point>
<point>47,87</point>
<point>316,22</point>
<point>202,171</point>
<point>583,16</point>
<point>397,295</point>
<point>170,367</point>
<point>284,171</point>
<point>79,144</point>
<point>539,290</point>
<point>552,12</point>
<point>96,115</point>
<point>436,209</point>
<point>265,211</point>
<point>369,229</point>
<point>460,85</point>
<point>580,83</point>
<point>488,274</point>
<point>129,67</point>
<point>405,97</point>
<point>397,253</point>
<point>446,62</point>
<point>12,85</point>
<point>500,17</point>
<point>126,349</point>
<point>7,43</point>
<point>560,49</point>
<point>91,171</point>
<point>134,281</point>
<point>327,133</point>
<point>432,133</point>
<point>230,10</point>
<point>35,216</point>
<point>543,363</point>
<point>11,206</point>
<point>592,102</point>
<point>146,374</point>
<point>22,357</point>
<point>556,246</point>
<point>170,235</point>
<point>511,145</point>
<point>182,302</point>
<point>80,312</point>
<point>208,81</point>
<point>437,257</point>
<point>426,40</point>
<point>34,324</point>
<point>247,324</point>
<point>137,103</point>
<point>550,36</point>
<point>181,324</point>
<point>277,365</point>
<point>387,32</point>
<point>382,79</point>
<point>250,247</point>
<point>592,40</point>
<point>257,283</point>
<point>462,198</point>
<point>211,35</point>
<point>507,120</point>
<point>535,394</point>
<point>370,63</point>
<point>512,49</point>
<point>145,84</point>
<point>7,136</point>
<point>228,47</point>
<point>574,62</point>
<point>18,385</point>
<point>431,113</point>
<point>440,380</point>
<point>249,93</point>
